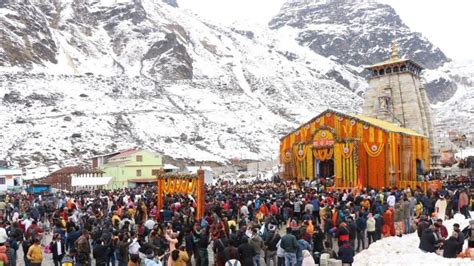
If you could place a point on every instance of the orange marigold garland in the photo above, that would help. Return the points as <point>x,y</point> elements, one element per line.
<point>347,150</point>
<point>374,150</point>
<point>324,154</point>
<point>286,156</point>
<point>300,152</point>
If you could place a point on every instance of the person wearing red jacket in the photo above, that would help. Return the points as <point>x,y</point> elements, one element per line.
<point>342,233</point>
<point>264,210</point>
<point>443,232</point>
<point>388,228</point>
<point>274,209</point>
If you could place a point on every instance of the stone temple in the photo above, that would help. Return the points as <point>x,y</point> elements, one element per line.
<point>397,95</point>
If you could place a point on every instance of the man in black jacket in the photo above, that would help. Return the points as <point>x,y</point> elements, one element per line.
<point>101,254</point>
<point>352,231</point>
<point>219,247</point>
<point>429,239</point>
<point>451,247</point>
<point>58,249</point>
<point>271,245</point>
<point>246,253</point>
<point>378,226</point>
<point>202,244</point>
<point>346,253</point>
<point>422,225</point>
<point>460,237</point>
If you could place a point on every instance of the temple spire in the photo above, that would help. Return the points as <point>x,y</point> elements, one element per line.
<point>394,55</point>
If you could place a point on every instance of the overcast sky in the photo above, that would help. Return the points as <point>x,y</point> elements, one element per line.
<point>447,23</point>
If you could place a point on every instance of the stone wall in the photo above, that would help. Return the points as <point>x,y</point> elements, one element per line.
<point>406,108</point>
<point>410,107</point>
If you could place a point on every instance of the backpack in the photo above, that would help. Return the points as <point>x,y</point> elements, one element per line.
<point>96,234</point>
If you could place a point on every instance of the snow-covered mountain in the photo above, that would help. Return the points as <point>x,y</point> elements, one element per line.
<point>81,77</point>
<point>356,32</point>
<point>359,33</point>
<point>106,75</point>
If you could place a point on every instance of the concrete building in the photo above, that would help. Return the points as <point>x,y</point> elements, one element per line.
<point>396,95</point>
<point>132,167</point>
<point>10,179</point>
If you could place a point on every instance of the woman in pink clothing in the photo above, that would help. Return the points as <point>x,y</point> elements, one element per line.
<point>172,240</point>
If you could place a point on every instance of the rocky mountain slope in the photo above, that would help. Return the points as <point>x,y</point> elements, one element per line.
<point>356,32</point>
<point>81,77</point>
<point>360,33</point>
<point>104,76</point>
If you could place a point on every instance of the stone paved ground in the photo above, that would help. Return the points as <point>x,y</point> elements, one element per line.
<point>48,258</point>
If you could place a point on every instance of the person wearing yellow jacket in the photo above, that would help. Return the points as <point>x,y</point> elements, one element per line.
<point>35,254</point>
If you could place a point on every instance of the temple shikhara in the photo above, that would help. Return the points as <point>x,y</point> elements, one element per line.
<point>396,95</point>
<point>390,145</point>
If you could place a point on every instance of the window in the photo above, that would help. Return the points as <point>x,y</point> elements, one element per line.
<point>155,172</point>
<point>139,158</point>
<point>381,72</point>
<point>384,103</point>
<point>139,172</point>
<point>2,180</point>
<point>396,69</point>
<point>388,70</point>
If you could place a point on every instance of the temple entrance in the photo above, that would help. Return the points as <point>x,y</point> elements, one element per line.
<point>419,167</point>
<point>324,168</point>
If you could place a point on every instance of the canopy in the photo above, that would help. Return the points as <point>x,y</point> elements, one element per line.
<point>170,167</point>
<point>90,181</point>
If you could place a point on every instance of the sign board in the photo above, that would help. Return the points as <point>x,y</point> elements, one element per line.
<point>323,143</point>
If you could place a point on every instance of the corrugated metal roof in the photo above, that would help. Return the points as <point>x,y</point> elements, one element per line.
<point>125,153</point>
<point>78,169</point>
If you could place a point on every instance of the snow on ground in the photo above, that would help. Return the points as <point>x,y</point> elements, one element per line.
<point>405,251</point>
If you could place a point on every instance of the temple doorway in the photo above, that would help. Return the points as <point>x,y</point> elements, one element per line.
<point>324,168</point>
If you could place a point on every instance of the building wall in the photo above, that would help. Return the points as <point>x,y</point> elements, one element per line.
<point>406,99</point>
<point>122,170</point>
<point>8,182</point>
<point>59,181</point>
<point>410,104</point>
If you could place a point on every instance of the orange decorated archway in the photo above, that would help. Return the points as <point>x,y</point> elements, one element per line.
<point>182,184</point>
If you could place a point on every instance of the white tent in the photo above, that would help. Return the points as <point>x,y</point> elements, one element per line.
<point>170,168</point>
<point>208,173</point>
<point>90,181</point>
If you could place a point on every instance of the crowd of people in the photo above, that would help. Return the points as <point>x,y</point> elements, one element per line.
<point>257,223</point>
